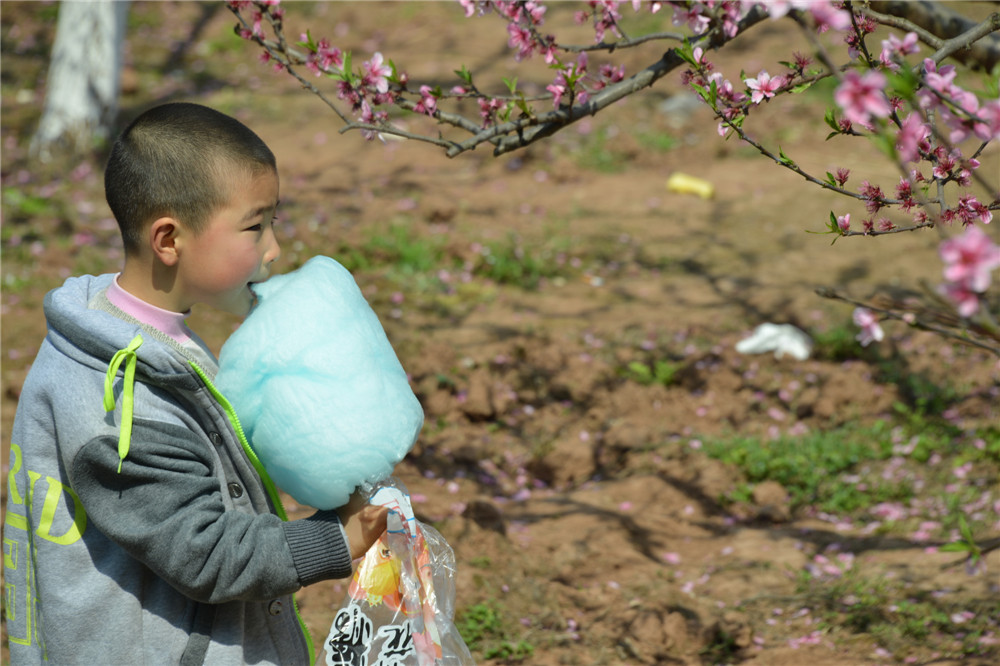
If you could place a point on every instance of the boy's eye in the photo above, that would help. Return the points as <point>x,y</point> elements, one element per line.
<point>256,227</point>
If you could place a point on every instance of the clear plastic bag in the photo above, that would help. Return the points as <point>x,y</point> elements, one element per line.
<point>400,605</point>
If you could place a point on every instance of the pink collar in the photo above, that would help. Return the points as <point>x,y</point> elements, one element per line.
<point>171,323</point>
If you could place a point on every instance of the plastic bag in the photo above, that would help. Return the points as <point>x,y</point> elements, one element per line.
<point>400,605</point>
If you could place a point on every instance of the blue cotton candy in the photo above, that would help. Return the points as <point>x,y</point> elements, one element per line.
<point>323,400</point>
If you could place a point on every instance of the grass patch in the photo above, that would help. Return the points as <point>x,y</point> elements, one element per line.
<point>838,344</point>
<point>598,153</point>
<point>660,372</point>
<point>902,620</point>
<point>485,631</point>
<point>514,262</point>
<point>422,261</point>
<point>810,467</point>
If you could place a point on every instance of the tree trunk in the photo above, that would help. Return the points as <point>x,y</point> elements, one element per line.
<point>81,98</point>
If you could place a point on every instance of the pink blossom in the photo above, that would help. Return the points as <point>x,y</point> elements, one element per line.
<point>870,329</point>
<point>692,17</point>
<point>874,198</point>
<point>557,88</point>
<point>370,117</point>
<point>535,11</point>
<point>346,91</point>
<point>427,103</point>
<point>329,55</point>
<point>969,210</point>
<point>989,114</point>
<point>376,73</point>
<point>885,225</point>
<point>904,192</point>
<point>548,52</point>
<point>844,222</point>
<point>862,97</point>
<point>764,86</point>
<point>827,17</point>
<point>724,89</point>
<point>812,638</point>
<point>732,12</point>
<point>612,74</point>
<point>891,511</point>
<point>946,161</point>
<point>487,108</point>
<point>779,8</point>
<point>520,39</point>
<point>471,7</point>
<point>258,29</point>
<point>608,21</point>
<point>912,137</point>
<point>894,47</point>
<point>983,122</point>
<point>324,58</point>
<point>940,80</point>
<point>965,300</point>
<point>970,258</point>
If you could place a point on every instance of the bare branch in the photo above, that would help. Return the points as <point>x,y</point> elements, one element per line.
<point>960,335</point>
<point>611,47</point>
<point>966,39</point>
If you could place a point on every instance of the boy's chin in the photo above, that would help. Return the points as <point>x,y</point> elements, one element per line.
<point>240,304</point>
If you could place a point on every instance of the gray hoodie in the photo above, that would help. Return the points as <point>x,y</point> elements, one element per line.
<point>150,537</point>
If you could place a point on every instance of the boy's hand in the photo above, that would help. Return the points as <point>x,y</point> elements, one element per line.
<point>364,523</point>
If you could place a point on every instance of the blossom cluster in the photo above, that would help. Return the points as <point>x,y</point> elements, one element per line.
<point>923,126</point>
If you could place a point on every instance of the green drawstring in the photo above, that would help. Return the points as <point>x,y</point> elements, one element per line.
<point>128,355</point>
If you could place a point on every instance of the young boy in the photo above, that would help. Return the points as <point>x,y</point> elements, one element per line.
<point>140,526</point>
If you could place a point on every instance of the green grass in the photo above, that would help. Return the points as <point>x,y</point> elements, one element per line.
<point>655,372</point>
<point>413,259</point>
<point>810,467</point>
<point>849,470</point>
<point>658,141</point>
<point>597,152</point>
<point>515,261</point>
<point>839,343</point>
<point>901,619</point>
<point>485,631</point>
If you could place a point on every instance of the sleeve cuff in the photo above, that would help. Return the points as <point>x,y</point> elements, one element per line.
<point>319,547</point>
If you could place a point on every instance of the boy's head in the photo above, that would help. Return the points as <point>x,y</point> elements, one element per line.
<point>179,160</point>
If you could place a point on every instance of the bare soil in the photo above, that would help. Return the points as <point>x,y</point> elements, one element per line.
<point>579,502</point>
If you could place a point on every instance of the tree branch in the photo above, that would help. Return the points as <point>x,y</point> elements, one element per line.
<point>552,122</point>
<point>961,336</point>
<point>936,19</point>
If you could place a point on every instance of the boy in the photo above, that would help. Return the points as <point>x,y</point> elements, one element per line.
<point>141,528</point>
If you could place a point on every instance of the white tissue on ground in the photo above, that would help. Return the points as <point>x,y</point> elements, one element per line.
<point>782,339</point>
<point>322,398</point>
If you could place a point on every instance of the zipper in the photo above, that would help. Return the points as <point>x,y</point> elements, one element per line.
<point>272,491</point>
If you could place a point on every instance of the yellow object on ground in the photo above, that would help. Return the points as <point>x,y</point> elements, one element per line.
<point>685,184</point>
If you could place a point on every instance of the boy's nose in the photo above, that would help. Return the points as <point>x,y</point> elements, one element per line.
<point>273,249</point>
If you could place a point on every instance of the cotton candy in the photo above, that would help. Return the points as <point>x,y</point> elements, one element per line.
<point>321,396</point>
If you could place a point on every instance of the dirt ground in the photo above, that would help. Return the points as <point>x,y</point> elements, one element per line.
<point>582,508</point>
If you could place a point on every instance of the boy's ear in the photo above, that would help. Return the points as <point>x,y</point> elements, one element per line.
<point>163,239</point>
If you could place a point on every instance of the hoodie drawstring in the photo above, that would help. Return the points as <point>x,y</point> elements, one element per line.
<point>129,357</point>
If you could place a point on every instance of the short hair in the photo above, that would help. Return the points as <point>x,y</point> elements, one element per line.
<point>177,160</point>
